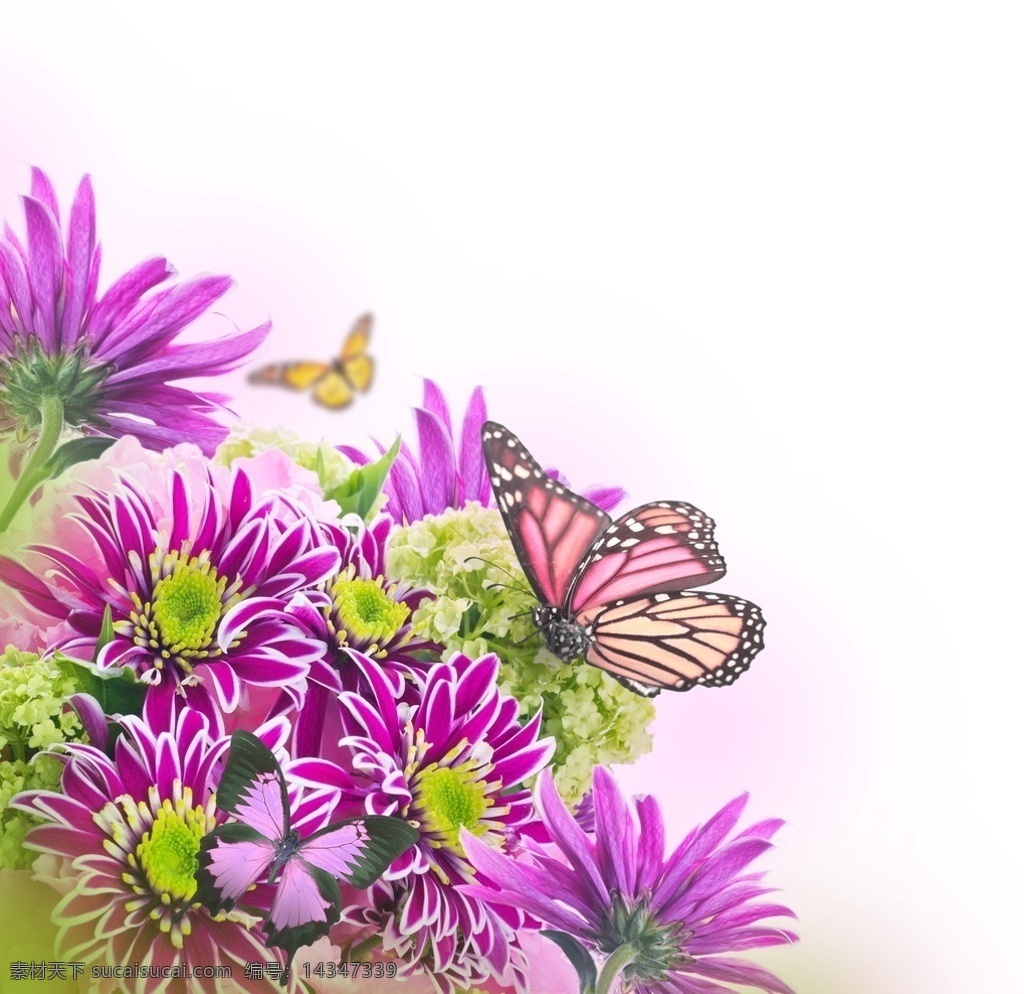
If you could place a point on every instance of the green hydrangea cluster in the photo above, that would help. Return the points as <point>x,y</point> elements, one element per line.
<point>33,716</point>
<point>483,604</point>
<point>245,441</point>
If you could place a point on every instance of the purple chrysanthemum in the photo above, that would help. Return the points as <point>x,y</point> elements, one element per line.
<point>197,581</point>
<point>454,760</point>
<point>446,474</point>
<point>662,924</point>
<point>109,362</point>
<point>359,609</point>
<point>127,831</point>
<point>449,474</point>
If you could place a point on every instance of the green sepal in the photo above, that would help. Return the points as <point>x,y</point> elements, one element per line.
<point>577,954</point>
<point>363,486</point>
<point>74,451</point>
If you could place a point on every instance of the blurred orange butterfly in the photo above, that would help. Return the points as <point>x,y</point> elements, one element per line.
<point>335,383</point>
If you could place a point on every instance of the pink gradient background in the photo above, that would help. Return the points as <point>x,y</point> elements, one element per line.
<point>758,260</point>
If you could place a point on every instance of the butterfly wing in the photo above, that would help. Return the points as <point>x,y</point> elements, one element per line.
<point>358,338</point>
<point>359,373</point>
<point>676,640</point>
<point>308,901</point>
<point>306,904</point>
<point>252,787</point>
<point>293,375</point>
<point>232,858</point>
<point>333,391</point>
<point>551,528</point>
<point>662,546</point>
<point>356,365</point>
<point>360,850</point>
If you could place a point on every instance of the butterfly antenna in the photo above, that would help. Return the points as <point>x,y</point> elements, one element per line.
<point>533,634</point>
<point>512,586</point>
<point>537,631</point>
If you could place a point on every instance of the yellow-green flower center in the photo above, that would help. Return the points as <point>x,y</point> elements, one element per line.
<point>363,616</point>
<point>188,601</point>
<point>449,799</point>
<point>187,605</point>
<point>168,853</point>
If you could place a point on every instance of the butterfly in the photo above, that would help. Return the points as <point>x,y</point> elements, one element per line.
<point>618,593</point>
<point>335,383</point>
<point>262,844</point>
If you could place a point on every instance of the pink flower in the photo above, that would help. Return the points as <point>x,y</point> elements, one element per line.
<point>196,567</point>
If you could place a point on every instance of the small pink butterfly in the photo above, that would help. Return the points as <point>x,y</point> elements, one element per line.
<point>616,593</point>
<point>262,845</point>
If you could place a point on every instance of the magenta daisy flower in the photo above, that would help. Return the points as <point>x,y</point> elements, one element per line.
<point>127,831</point>
<point>449,474</point>
<point>109,362</point>
<point>660,925</point>
<point>361,610</point>
<point>454,760</point>
<point>198,596</point>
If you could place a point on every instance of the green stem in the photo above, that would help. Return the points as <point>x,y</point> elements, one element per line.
<point>613,966</point>
<point>51,424</point>
<point>358,951</point>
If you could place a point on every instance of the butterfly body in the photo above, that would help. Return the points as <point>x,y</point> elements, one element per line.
<point>617,593</point>
<point>284,850</point>
<point>564,637</point>
<point>334,383</point>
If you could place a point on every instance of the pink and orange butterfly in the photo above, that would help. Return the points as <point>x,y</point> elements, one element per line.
<point>618,593</point>
<point>334,383</point>
<point>263,845</point>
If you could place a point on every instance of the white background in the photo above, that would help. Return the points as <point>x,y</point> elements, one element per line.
<point>763,257</point>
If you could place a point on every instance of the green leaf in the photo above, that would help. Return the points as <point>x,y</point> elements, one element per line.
<point>76,450</point>
<point>118,691</point>
<point>358,493</point>
<point>577,954</point>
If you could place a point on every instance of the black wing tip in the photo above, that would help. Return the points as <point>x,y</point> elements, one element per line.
<point>252,747</point>
<point>643,689</point>
<point>494,429</point>
<point>389,837</point>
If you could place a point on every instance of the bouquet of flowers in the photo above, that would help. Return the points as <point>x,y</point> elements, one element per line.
<point>278,713</point>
